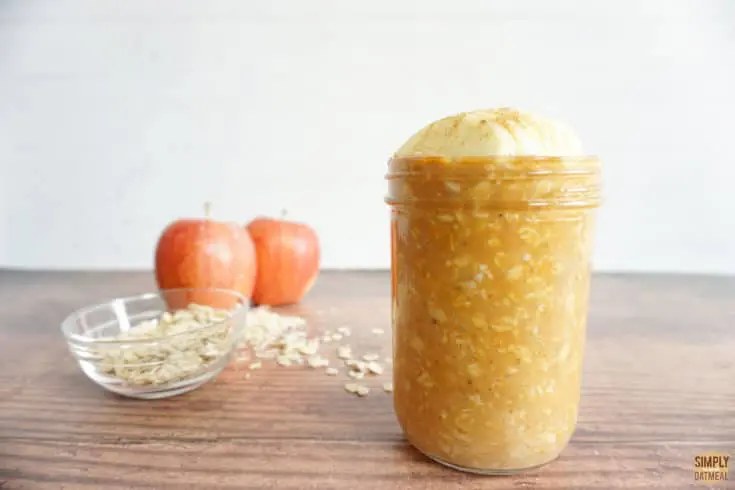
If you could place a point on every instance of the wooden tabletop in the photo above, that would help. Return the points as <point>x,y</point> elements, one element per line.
<point>659,388</point>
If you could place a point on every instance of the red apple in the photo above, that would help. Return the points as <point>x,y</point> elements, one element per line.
<point>205,253</point>
<point>288,260</point>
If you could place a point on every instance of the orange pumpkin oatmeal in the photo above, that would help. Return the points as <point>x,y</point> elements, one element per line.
<point>493,217</point>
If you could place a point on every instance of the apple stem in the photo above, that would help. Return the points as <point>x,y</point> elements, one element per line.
<point>283,213</point>
<point>207,209</point>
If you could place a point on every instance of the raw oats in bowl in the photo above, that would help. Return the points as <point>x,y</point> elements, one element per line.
<point>157,344</point>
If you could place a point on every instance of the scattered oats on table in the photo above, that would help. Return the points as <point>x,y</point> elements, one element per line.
<point>317,362</point>
<point>375,368</point>
<point>357,389</point>
<point>284,339</point>
<point>356,366</point>
<point>344,352</point>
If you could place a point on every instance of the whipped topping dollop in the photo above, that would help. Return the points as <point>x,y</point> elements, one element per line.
<point>493,132</point>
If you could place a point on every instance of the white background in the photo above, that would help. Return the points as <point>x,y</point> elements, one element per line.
<point>119,116</point>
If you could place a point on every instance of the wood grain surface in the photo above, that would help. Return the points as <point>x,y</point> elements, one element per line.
<point>659,388</point>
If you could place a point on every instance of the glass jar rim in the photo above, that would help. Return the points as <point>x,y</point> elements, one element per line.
<point>497,182</point>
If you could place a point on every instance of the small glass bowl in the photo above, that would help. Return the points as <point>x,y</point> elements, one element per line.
<point>166,369</point>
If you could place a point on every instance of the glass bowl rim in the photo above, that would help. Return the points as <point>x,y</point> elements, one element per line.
<point>243,303</point>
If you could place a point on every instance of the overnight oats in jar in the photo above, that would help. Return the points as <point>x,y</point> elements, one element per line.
<point>492,224</point>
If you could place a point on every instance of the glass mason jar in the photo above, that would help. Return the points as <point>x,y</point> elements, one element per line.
<point>490,286</point>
